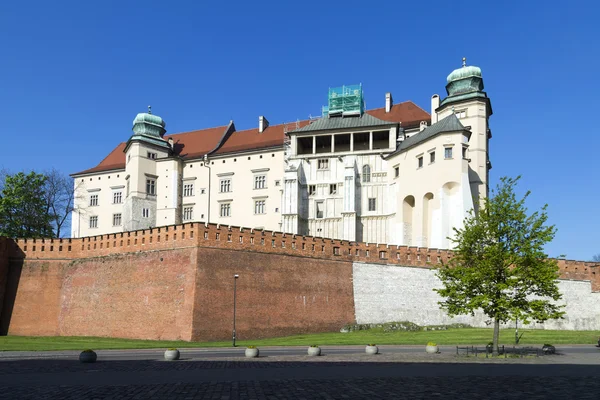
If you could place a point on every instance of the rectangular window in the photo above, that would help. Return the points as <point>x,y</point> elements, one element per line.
<point>372,204</point>
<point>396,172</point>
<point>145,212</point>
<point>152,156</point>
<point>461,113</point>
<point>420,162</point>
<point>323,163</point>
<point>117,197</point>
<point>312,190</point>
<point>319,206</point>
<point>94,221</point>
<point>225,185</point>
<point>464,151</point>
<point>259,207</point>
<point>432,157</point>
<point>188,190</point>
<point>448,152</point>
<point>188,213</point>
<point>117,219</point>
<point>260,181</point>
<point>225,210</point>
<point>94,200</point>
<point>151,186</point>
<point>333,188</point>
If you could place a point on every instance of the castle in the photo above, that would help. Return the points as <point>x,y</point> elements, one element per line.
<point>395,174</point>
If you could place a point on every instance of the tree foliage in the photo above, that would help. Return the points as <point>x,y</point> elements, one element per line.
<point>596,258</point>
<point>59,200</point>
<point>23,206</point>
<point>499,264</point>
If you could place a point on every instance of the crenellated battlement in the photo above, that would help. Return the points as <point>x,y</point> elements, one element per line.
<point>229,237</point>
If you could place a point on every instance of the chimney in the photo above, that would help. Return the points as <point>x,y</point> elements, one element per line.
<point>389,102</point>
<point>422,126</point>
<point>171,143</point>
<point>435,104</point>
<point>263,124</point>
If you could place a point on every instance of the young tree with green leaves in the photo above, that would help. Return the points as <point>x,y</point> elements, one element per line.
<point>24,207</point>
<point>499,264</point>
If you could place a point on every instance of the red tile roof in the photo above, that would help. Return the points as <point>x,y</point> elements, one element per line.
<point>195,144</point>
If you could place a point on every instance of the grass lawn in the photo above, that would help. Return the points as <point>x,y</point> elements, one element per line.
<point>470,336</point>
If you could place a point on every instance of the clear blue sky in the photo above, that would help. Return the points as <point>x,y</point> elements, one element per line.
<point>73,75</point>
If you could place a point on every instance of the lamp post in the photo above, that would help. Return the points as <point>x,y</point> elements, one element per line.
<point>235,277</point>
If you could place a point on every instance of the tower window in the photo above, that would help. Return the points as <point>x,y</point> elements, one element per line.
<point>145,212</point>
<point>259,207</point>
<point>432,157</point>
<point>448,152</point>
<point>319,208</point>
<point>366,174</point>
<point>152,156</point>
<point>420,162</point>
<point>312,190</point>
<point>323,164</point>
<point>117,197</point>
<point>372,204</point>
<point>396,171</point>
<point>225,210</point>
<point>94,200</point>
<point>188,190</point>
<point>151,186</point>
<point>188,213</point>
<point>225,185</point>
<point>260,182</point>
<point>117,219</point>
<point>333,188</point>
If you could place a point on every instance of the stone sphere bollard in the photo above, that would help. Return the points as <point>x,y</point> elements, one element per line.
<point>251,352</point>
<point>314,350</point>
<point>88,356</point>
<point>372,349</point>
<point>172,354</point>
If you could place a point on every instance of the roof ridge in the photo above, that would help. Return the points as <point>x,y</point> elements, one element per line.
<point>198,130</point>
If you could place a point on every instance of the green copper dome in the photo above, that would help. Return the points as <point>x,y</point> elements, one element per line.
<point>149,128</point>
<point>466,79</point>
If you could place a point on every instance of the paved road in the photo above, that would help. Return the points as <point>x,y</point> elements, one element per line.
<point>282,373</point>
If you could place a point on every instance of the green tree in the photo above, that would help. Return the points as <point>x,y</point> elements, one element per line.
<point>596,258</point>
<point>499,264</point>
<point>24,207</point>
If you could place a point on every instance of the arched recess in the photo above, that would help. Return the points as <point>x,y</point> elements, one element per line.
<point>408,206</point>
<point>427,209</point>
<point>451,211</point>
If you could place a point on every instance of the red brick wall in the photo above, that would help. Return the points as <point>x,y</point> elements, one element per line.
<point>117,284</point>
<point>277,295</point>
<point>4,249</point>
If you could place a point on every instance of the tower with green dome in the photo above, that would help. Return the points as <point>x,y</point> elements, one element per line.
<point>469,102</point>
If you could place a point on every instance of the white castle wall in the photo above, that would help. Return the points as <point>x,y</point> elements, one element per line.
<point>385,293</point>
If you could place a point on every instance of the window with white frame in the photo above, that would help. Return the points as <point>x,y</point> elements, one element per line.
<point>461,113</point>
<point>151,186</point>
<point>323,163</point>
<point>260,181</point>
<point>448,152</point>
<point>188,213</point>
<point>319,209</point>
<point>94,221</point>
<point>372,204</point>
<point>188,189</point>
<point>312,190</point>
<point>225,185</point>
<point>432,157</point>
<point>225,210</point>
<point>259,206</point>
<point>152,156</point>
<point>117,197</point>
<point>93,200</point>
<point>333,188</point>
<point>420,162</point>
<point>366,174</point>
<point>117,219</point>
<point>145,212</point>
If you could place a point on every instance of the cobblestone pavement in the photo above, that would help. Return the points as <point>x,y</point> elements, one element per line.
<point>329,377</point>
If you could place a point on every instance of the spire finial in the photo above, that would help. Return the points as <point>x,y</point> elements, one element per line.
<point>464,61</point>
<point>149,109</point>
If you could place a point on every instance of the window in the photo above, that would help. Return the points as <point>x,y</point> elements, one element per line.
<point>188,213</point>
<point>323,163</point>
<point>396,172</point>
<point>277,183</point>
<point>94,221</point>
<point>145,212</point>
<point>319,209</point>
<point>188,189</point>
<point>461,114</point>
<point>259,207</point>
<point>152,156</point>
<point>117,219</point>
<point>432,157</point>
<point>448,152</point>
<point>260,181</point>
<point>372,204</point>
<point>225,210</point>
<point>333,188</point>
<point>117,197</point>
<point>151,186</point>
<point>464,152</point>
<point>94,200</point>
<point>225,185</point>
<point>312,190</point>
<point>366,174</point>
<point>420,162</point>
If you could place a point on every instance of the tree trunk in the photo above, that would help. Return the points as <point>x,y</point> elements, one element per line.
<point>496,337</point>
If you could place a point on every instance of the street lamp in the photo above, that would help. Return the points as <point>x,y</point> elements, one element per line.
<point>235,277</point>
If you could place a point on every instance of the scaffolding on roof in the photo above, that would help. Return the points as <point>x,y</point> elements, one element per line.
<point>345,101</point>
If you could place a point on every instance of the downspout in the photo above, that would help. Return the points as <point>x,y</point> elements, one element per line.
<point>206,164</point>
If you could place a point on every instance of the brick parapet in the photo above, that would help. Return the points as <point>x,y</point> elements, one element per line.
<point>240,238</point>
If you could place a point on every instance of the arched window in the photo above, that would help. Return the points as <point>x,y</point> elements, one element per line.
<point>366,173</point>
